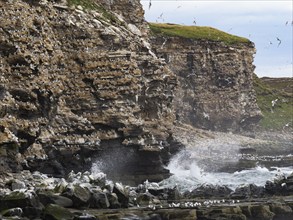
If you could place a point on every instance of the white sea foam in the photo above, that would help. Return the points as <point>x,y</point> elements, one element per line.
<point>187,175</point>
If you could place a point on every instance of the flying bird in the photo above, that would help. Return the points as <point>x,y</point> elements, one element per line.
<point>150,4</point>
<point>161,16</point>
<point>279,41</point>
<point>286,23</point>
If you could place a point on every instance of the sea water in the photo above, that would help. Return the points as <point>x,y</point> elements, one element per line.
<point>188,175</point>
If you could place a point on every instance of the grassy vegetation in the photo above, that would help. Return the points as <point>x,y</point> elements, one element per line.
<point>196,32</point>
<point>92,5</point>
<point>86,4</point>
<point>280,116</point>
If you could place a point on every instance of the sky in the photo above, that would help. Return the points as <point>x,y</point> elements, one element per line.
<point>260,21</point>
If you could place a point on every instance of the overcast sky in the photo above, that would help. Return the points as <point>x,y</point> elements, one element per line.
<point>260,21</point>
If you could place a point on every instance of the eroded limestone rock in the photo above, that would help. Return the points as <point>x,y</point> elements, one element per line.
<point>75,83</point>
<point>215,90</point>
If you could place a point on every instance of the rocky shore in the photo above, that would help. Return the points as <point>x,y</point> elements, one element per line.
<point>27,195</point>
<point>85,83</point>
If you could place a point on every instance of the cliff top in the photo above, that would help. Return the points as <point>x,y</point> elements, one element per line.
<point>196,32</point>
<point>275,99</point>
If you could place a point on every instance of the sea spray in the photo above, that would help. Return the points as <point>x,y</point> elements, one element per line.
<point>188,175</point>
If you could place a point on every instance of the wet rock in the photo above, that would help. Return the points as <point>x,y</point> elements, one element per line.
<point>79,195</point>
<point>50,198</point>
<point>12,212</point>
<point>261,212</point>
<point>172,194</point>
<point>144,199</point>
<point>160,192</point>
<point>27,201</point>
<point>113,200</point>
<point>55,212</point>
<point>248,191</point>
<point>209,191</point>
<point>222,213</point>
<point>98,179</point>
<point>122,194</point>
<point>19,199</point>
<point>99,200</point>
<point>288,183</point>
<point>280,185</point>
<point>281,211</point>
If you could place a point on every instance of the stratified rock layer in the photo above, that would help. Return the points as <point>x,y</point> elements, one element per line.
<point>215,82</point>
<point>73,85</point>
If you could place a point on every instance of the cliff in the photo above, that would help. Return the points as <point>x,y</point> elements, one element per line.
<point>214,71</point>
<point>79,84</point>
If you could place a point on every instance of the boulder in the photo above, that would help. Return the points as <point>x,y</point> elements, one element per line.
<point>12,212</point>
<point>19,199</point>
<point>17,184</point>
<point>113,200</point>
<point>55,212</point>
<point>99,200</point>
<point>80,196</point>
<point>98,179</point>
<point>144,199</point>
<point>248,191</point>
<point>209,191</point>
<point>172,194</point>
<point>27,201</point>
<point>122,194</point>
<point>50,198</point>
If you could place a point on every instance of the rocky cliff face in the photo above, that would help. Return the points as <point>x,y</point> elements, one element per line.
<point>80,85</point>
<point>130,10</point>
<point>76,84</point>
<point>215,82</point>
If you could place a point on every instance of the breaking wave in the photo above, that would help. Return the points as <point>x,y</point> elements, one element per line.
<point>188,175</point>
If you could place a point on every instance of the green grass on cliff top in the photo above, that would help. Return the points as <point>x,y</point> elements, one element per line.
<point>196,32</point>
<point>94,5</point>
<point>280,116</point>
<point>87,4</point>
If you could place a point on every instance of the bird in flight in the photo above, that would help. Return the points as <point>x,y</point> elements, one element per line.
<point>279,41</point>
<point>150,4</point>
